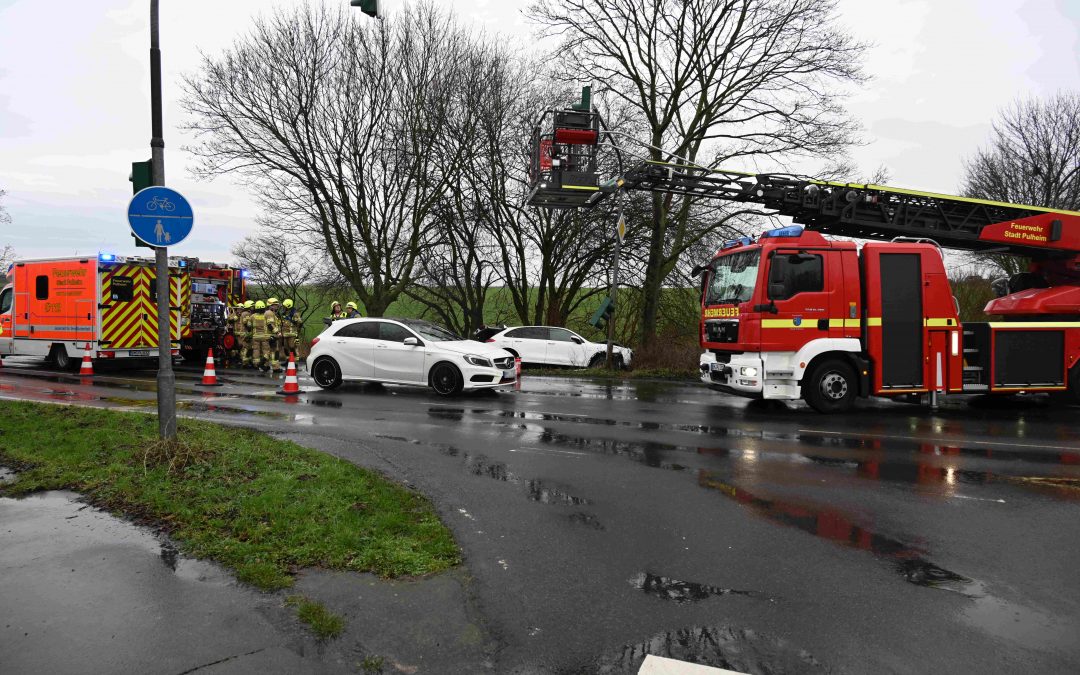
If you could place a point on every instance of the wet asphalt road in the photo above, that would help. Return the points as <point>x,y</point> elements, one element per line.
<point>604,520</point>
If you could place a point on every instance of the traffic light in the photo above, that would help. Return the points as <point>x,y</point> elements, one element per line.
<point>369,7</point>
<point>603,313</point>
<point>140,178</point>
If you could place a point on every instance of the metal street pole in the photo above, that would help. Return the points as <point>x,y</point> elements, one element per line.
<point>610,364</point>
<point>166,379</point>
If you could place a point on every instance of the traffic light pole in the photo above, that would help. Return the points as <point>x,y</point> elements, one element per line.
<point>610,364</point>
<point>166,379</point>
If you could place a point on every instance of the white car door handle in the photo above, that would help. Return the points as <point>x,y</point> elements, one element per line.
<point>381,346</point>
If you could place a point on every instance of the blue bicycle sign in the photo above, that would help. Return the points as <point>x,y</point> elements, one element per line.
<point>160,216</point>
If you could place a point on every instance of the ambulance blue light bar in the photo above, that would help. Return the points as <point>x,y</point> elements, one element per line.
<point>106,257</point>
<point>789,231</point>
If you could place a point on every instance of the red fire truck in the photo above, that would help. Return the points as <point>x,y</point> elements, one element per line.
<point>792,314</point>
<point>795,314</point>
<point>213,288</point>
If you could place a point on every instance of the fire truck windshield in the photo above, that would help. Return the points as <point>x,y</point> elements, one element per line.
<point>732,278</point>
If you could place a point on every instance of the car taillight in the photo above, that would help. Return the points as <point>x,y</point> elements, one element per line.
<point>106,355</point>
<point>490,340</point>
<point>314,341</point>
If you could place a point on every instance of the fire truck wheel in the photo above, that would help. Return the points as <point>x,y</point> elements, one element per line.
<point>326,373</point>
<point>830,386</point>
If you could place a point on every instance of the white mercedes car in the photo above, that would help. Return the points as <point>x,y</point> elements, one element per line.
<point>406,351</point>
<point>551,346</point>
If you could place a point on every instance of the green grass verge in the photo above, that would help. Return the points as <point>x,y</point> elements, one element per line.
<point>325,624</point>
<point>261,506</point>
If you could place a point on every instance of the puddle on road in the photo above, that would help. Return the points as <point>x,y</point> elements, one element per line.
<point>742,650</point>
<point>6,475</point>
<point>540,491</point>
<point>69,519</point>
<point>679,592</point>
<point>586,520</point>
<point>839,528</point>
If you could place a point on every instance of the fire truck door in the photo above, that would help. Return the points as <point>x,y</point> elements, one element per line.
<point>900,285</point>
<point>797,288</point>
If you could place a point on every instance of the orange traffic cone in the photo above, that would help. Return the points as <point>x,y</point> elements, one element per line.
<point>292,385</point>
<point>209,377</point>
<point>87,367</point>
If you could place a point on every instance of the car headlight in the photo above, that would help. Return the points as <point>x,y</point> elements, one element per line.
<point>748,371</point>
<point>479,361</point>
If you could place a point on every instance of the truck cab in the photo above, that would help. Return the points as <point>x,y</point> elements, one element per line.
<point>795,315</point>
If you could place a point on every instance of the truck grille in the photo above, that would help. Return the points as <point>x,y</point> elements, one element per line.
<point>721,331</point>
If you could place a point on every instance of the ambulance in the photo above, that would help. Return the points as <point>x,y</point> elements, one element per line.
<point>57,308</point>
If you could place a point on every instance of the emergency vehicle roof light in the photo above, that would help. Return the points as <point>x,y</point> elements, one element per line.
<point>243,274</point>
<point>107,257</point>
<point>181,263</point>
<point>732,243</point>
<point>789,231</point>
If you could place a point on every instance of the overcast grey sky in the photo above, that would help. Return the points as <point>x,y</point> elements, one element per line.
<point>74,100</point>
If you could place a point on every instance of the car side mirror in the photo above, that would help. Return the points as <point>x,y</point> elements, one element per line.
<point>578,340</point>
<point>411,342</point>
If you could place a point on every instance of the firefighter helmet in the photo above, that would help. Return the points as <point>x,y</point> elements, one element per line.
<point>272,301</point>
<point>248,304</point>
<point>260,304</point>
<point>287,303</point>
<point>350,305</point>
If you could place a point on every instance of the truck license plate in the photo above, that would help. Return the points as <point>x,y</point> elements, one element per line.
<point>139,352</point>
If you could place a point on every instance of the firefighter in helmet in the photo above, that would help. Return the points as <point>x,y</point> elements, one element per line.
<point>246,335</point>
<point>336,312</point>
<point>351,312</point>
<point>232,327</point>
<point>262,330</point>
<point>273,325</point>
<point>290,327</point>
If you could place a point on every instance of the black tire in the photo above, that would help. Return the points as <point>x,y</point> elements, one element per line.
<point>830,386</point>
<point>446,379</point>
<point>512,352</point>
<point>326,373</point>
<point>60,359</point>
<point>598,361</point>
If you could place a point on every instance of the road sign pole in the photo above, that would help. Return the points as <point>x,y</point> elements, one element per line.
<point>166,379</point>
<point>620,232</point>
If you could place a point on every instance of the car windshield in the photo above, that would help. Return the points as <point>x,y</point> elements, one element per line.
<point>733,278</point>
<point>429,331</point>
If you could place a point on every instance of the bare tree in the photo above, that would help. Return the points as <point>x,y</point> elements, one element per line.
<point>7,256</point>
<point>287,268</point>
<point>5,217</point>
<point>713,82</point>
<point>341,125</point>
<point>1033,158</point>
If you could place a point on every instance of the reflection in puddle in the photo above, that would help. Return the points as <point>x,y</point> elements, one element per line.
<point>679,592</point>
<point>586,519</point>
<point>540,491</point>
<point>740,649</point>
<point>838,528</point>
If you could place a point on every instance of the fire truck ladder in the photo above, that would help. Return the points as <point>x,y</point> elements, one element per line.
<point>867,211</point>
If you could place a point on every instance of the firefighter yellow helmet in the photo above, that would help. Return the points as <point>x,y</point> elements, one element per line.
<point>287,303</point>
<point>335,304</point>
<point>272,301</point>
<point>248,304</point>
<point>350,305</point>
<point>260,305</point>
